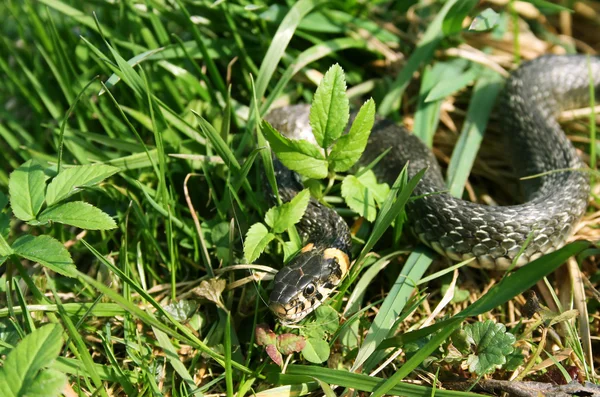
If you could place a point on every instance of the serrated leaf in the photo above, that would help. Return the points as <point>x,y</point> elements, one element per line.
<point>257,239</point>
<point>26,189</point>
<point>290,343</point>
<point>282,217</point>
<point>362,192</point>
<point>264,335</point>
<point>348,149</point>
<point>486,20</point>
<point>330,111</point>
<point>71,180</point>
<point>78,214</point>
<point>492,345</point>
<point>47,251</point>
<point>297,155</point>
<point>316,350</point>
<point>23,364</point>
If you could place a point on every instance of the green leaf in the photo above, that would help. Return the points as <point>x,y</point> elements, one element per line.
<point>447,87</point>
<point>348,149</point>
<point>21,369</point>
<point>330,111</point>
<point>453,21</point>
<point>513,361</point>
<point>289,249</point>
<point>316,350</point>
<point>362,192</point>
<point>48,383</point>
<point>326,317</point>
<point>282,217</point>
<point>78,214</point>
<point>486,20</point>
<point>257,239</point>
<point>492,345</point>
<point>182,310</point>
<point>47,251</point>
<point>26,189</point>
<point>298,155</point>
<point>71,180</point>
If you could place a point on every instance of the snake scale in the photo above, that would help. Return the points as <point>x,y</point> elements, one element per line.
<point>533,96</point>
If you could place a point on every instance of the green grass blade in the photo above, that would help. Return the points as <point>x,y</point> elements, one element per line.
<point>305,373</point>
<point>427,45</point>
<point>484,96</point>
<point>173,357</point>
<point>412,271</point>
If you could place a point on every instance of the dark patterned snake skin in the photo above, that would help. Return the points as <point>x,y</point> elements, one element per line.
<point>533,96</point>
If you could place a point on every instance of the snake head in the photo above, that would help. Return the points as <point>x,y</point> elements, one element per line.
<point>301,286</point>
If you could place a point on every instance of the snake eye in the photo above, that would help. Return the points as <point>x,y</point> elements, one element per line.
<point>309,290</point>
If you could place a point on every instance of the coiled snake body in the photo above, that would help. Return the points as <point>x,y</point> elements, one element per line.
<point>533,96</point>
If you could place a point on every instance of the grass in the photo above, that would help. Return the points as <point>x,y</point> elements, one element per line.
<point>165,90</point>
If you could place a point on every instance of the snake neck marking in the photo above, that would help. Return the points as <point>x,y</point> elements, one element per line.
<point>302,285</point>
<point>532,97</point>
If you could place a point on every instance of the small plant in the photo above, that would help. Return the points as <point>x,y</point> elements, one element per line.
<point>312,341</point>
<point>481,347</point>
<point>38,203</point>
<point>336,152</point>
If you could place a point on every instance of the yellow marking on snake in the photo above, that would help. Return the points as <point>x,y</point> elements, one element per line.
<point>341,256</point>
<point>307,247</point>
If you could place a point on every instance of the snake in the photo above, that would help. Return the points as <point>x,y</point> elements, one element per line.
<point>492,237</point>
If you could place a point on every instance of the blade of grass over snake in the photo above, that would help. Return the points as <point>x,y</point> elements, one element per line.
<point>592,91</point>
<point>511,286</point>
<point>305,373</point>
<point>359,290</point>
<point>266,155</point>
<point>463,156</point>
<point>427,45</point>
<point>427,115</point>
<point>390,210</point>
<point>412,271</point>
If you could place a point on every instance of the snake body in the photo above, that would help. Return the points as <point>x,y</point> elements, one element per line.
<point>533,96</point>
